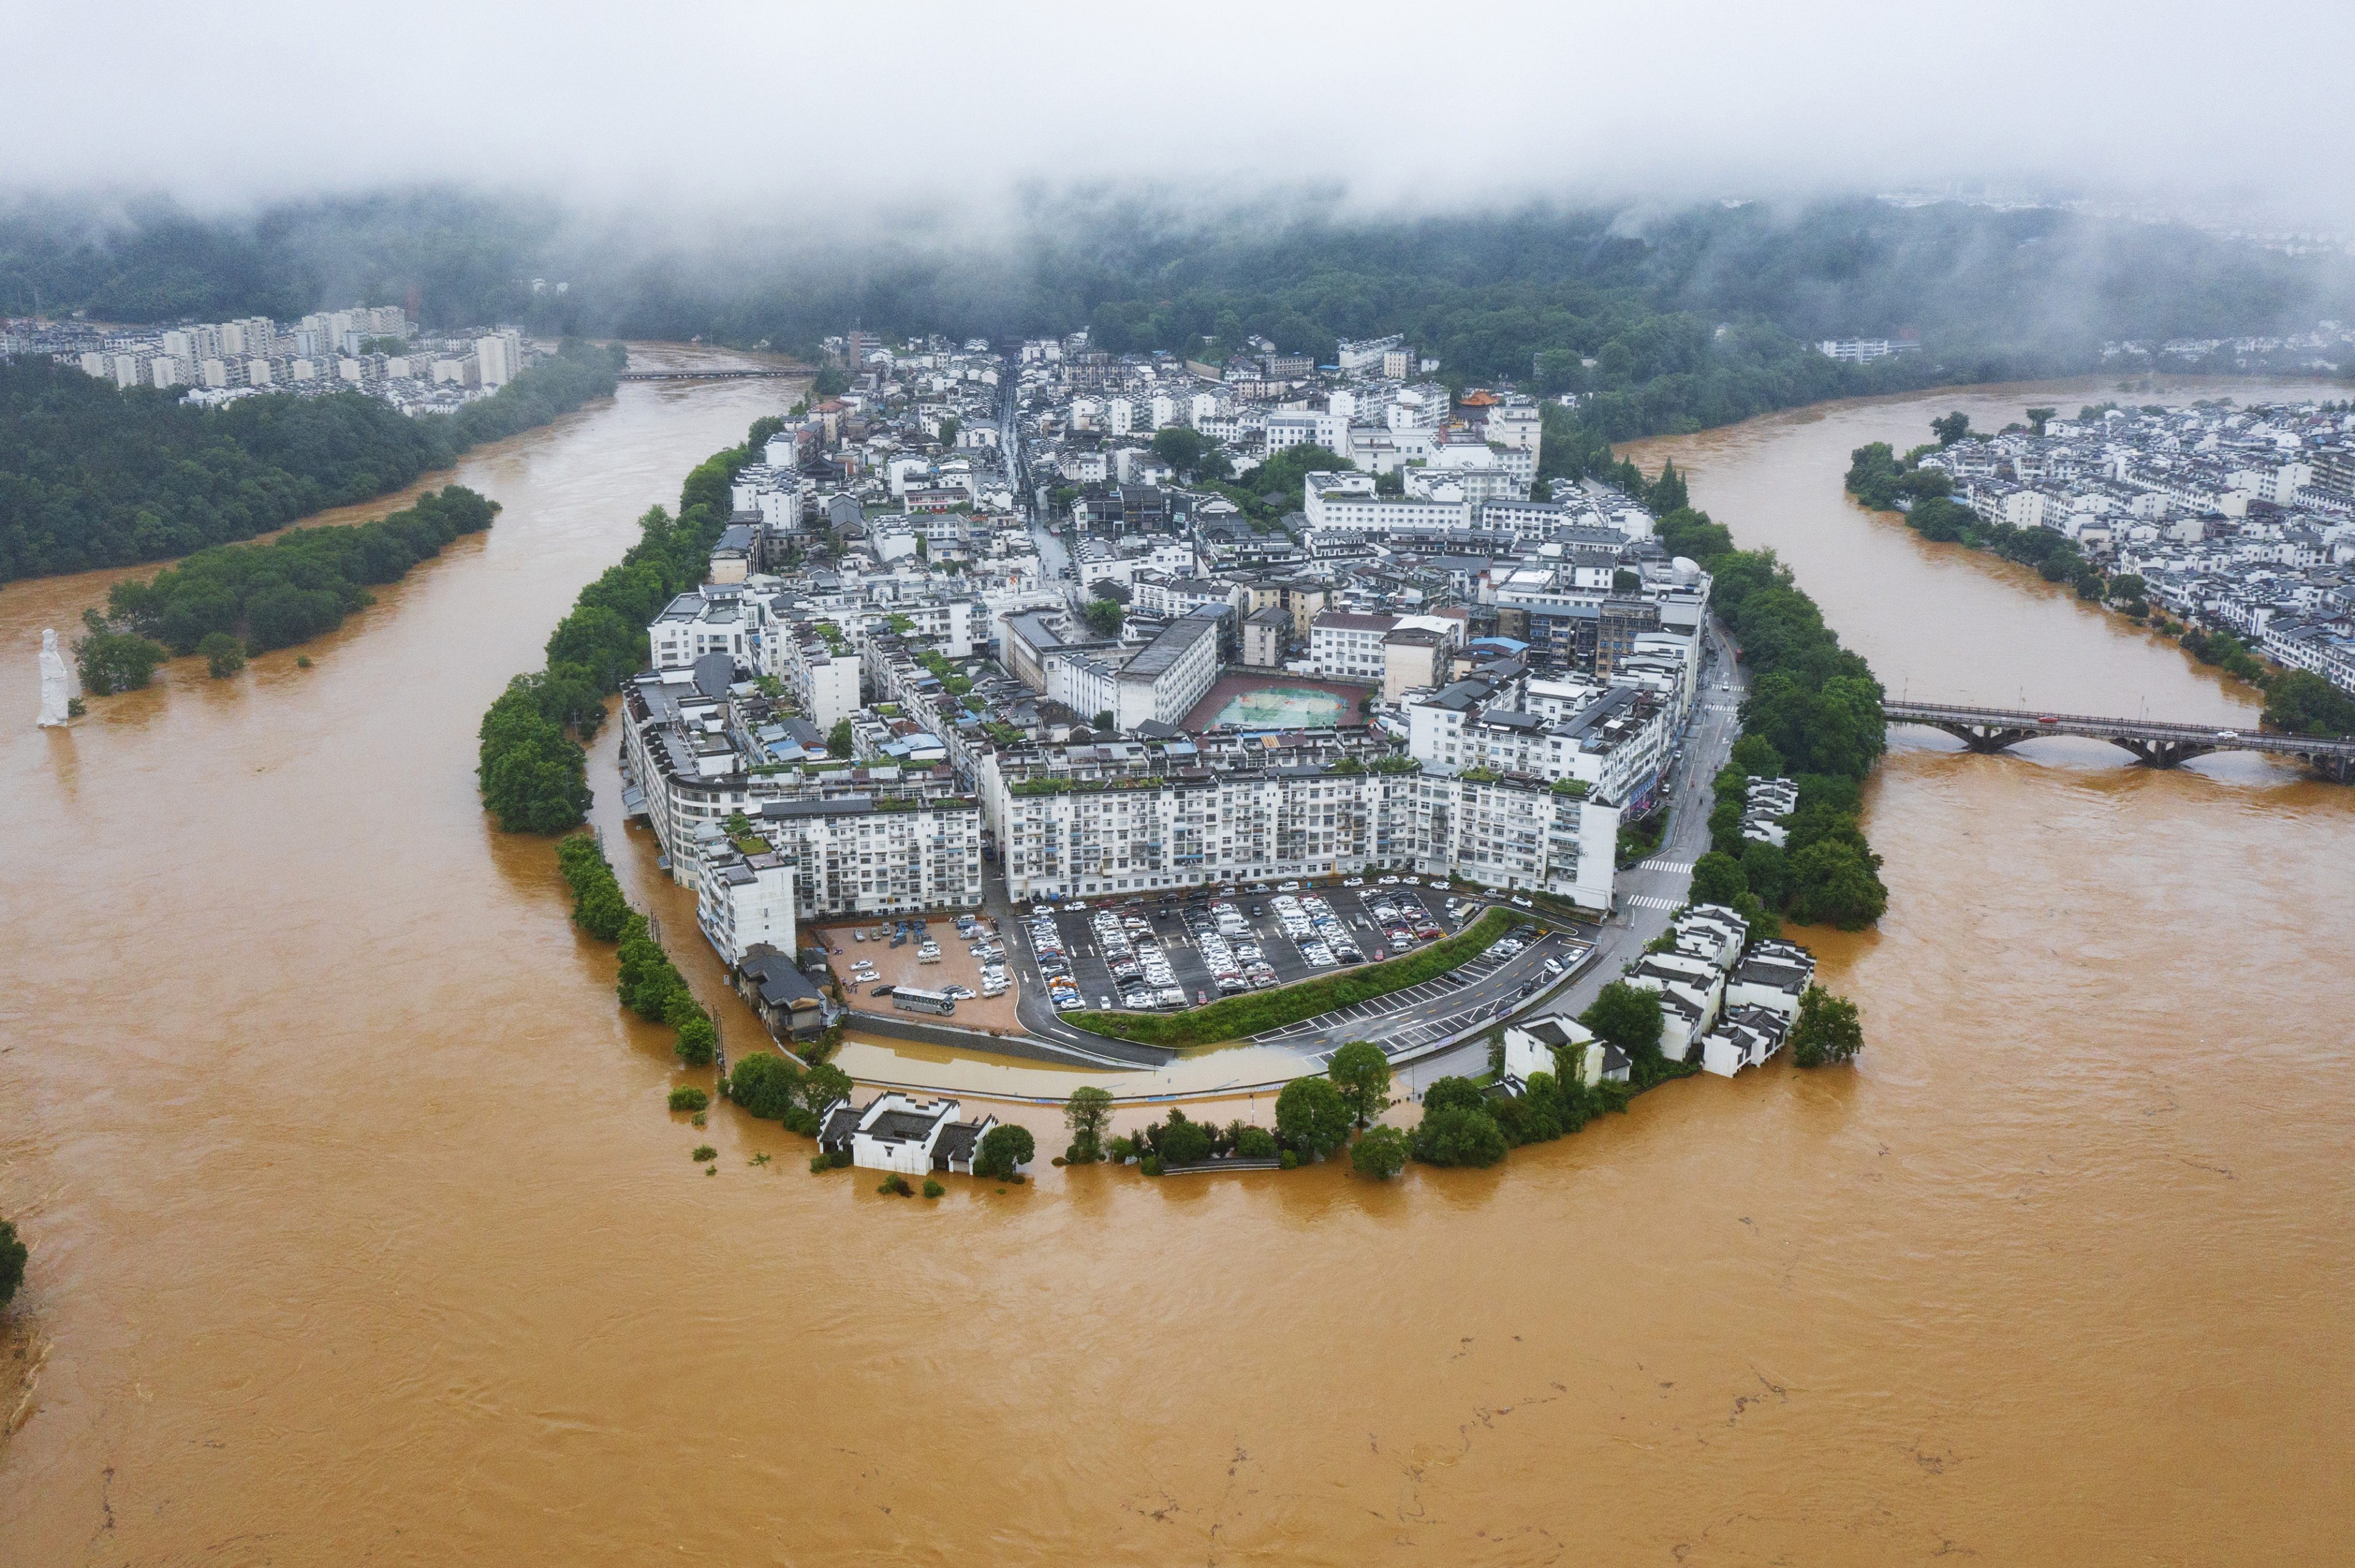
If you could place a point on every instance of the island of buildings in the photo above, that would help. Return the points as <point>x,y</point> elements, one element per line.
<point>901,676</point>
<point>2239,519</point>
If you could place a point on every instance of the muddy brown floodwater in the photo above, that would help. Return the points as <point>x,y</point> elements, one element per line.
<point>362,1234</point>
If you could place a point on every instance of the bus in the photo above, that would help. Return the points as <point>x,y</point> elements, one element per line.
<point>909,998</point>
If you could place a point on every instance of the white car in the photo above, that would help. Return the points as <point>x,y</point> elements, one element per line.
<point>1387,882</point>
<point>1353,882</point>
<point>1520,904</point>
<point>1411,882</point>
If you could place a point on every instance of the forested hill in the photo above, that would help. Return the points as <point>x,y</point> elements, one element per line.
<point>93,476</point>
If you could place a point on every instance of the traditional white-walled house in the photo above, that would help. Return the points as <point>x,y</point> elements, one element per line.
<point>898,1133</point>
<point>1530,1044</point>
<point>1773,974</point>
<point>1690,988</point>
<point>1746,1037</point>
<point>1711,932</point>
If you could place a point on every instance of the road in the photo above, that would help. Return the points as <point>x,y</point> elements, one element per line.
<point>1647,891</point>
<point>1052,557</point>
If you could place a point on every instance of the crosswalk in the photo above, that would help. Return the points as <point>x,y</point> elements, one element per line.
<point>1651,900</point>
<point>1676,866</point>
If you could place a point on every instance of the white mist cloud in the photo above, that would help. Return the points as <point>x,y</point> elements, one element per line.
<point>787,112</point>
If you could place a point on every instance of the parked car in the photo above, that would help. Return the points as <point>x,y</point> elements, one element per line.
<point>1386,882</point>
<point>1520,904</point>
<point>1353,882</point>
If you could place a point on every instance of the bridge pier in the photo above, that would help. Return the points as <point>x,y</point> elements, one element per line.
<point>2161,753</point>
<point>1987,739</point>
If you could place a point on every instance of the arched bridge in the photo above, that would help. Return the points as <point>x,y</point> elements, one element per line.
<point>747,375</point>
<point>2156,743</point>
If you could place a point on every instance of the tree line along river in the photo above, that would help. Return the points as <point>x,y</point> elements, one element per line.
<point>361,1230</point>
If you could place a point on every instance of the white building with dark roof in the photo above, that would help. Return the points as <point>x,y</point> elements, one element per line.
<point>899,1133</point>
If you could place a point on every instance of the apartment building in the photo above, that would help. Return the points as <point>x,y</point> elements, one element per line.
<point>819,668</point>
<point>1111,819</point>
<point>715,619</point>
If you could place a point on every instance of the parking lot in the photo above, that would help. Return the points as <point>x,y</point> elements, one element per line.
<point>863,962</point>
<point>1486,987</point>
<point>1134,954</point>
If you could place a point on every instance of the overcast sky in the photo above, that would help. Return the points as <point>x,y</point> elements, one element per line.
<point>852,106</point>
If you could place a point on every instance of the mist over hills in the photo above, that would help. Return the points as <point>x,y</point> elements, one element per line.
<point>1147,267</point>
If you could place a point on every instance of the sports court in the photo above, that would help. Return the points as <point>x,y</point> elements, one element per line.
<point>1277,702</point>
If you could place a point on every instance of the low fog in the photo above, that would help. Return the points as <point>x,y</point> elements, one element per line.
<point>879,115</point>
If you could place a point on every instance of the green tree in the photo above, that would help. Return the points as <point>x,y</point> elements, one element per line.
<point>822,1085</point>
<point>1764,872</point>
<point>1667,493</point>
<point>1102,720</point>
<point>1451,1093</point>
<point>687,1097</point>
<point>1311,1117</point>
<point>1718,878</point>
<point>1627,1015</point>
<point>2036,418</point>
<point>837,739</point>
<point>1828,1029</point>
<point>1103,616</point>
<point>2300,703</point>
<point>223,655</point>
<point>1181,447</point>
<point>1459,1136</point>
<point>110,662</point>
<point>12,1253</point>
<point>698,1040</point>
<point>765,1085</point>
<point>1835,883</point>
<point>1380,1153</point>
<point>1088,1114</point>
<point>1180,1141</point>
<point>1003,1149</point>
<point>1955,427</point>
<point>1361,1075</point>
<point>1756,754</point>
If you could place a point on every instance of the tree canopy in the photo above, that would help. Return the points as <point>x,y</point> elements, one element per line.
<point>95,475</point>
<point>1310,1114</point>
<point>1361,1073</point>
<point>1828,1029</point>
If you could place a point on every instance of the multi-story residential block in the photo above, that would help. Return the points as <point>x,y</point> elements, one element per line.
<point>820,670</point>
<point>718,618</point>
<point>1103,819</point>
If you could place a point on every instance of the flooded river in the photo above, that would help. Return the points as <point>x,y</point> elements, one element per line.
<point>362,1234</point>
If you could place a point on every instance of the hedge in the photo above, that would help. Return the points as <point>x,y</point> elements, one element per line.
<point>1247,1015</point>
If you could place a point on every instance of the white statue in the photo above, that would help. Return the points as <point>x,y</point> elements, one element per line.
<point>56,684</point>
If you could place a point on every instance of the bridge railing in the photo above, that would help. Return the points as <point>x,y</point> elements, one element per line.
<point>2216,737</point>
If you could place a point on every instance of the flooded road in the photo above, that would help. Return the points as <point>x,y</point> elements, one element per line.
<point>361,1232</point>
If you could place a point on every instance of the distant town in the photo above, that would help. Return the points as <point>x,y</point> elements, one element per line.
<point>373,349</point>
<point>2239,519</point>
